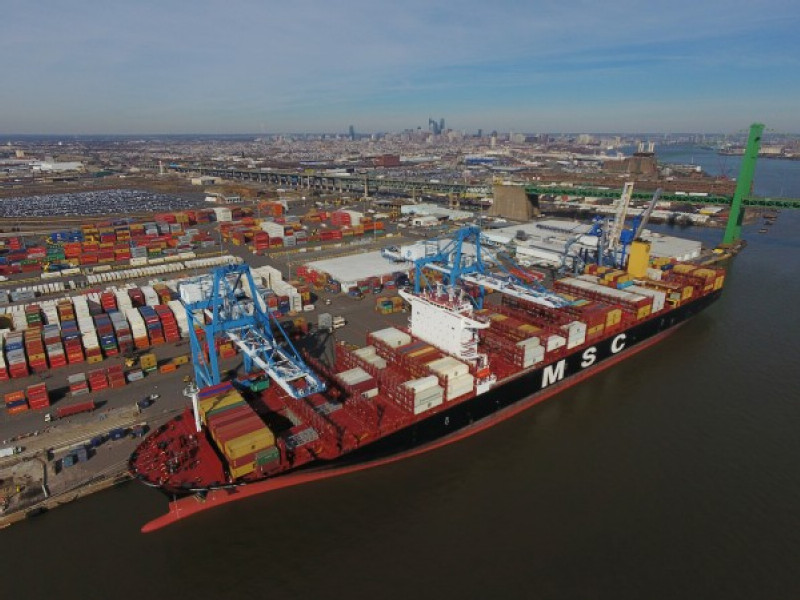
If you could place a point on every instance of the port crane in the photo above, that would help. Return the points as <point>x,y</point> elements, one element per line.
<point>613,239</point>
<point>453,258</point>
<point>226,304</point>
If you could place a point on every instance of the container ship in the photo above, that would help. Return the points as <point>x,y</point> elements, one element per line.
<point>459,366</point>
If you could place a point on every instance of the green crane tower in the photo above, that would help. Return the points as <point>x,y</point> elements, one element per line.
<point>733,230</point>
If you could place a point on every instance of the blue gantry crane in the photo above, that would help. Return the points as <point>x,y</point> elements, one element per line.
<point>227,304</point>
<point>449,257</point>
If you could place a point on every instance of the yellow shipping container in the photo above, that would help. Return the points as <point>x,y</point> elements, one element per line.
<point>613,317</point>
<point>214,402</point>
<point>718,282</point>
<point>528,328</point>
<point>687,292</point>
<point>497,317</point>
<point>642,312</point>
<point>684,268</point>
<point>421,351</point>
<point>243,470</point>
<point>148,361</point>
<point>249,443</point>
<point>705,273</point>
<point>596,330</point>
<point>94,359</point>
<point>183,359</point>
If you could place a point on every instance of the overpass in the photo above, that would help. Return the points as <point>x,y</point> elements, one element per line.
<point>337,182</point>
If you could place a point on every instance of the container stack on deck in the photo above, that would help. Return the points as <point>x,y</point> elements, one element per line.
<point>240,435</point>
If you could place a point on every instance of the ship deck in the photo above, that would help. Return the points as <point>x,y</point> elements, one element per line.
<point>351,415</point>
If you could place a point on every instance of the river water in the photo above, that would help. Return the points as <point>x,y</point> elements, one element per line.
<point>672,475</point>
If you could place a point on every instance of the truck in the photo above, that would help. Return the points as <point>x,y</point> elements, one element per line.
<point>147,401</point>
<point>68,411</point>
<point>337,322</point>
<point>10,451</point>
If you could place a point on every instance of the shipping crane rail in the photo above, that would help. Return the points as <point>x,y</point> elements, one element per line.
<point>511,288</point>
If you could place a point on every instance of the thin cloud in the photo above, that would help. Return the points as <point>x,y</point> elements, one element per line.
<point>249,62</point>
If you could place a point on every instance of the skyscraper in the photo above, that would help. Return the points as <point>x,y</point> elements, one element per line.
<point>352,133</point>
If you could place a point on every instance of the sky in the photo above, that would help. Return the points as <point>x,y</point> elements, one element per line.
<point>261,66</point>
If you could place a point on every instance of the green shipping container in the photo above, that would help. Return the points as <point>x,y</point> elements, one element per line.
<point>217,411</point>
<point>267,456</point>
<point>260,386</point>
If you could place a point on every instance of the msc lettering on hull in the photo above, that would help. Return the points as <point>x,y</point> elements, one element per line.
<point>556,372</point>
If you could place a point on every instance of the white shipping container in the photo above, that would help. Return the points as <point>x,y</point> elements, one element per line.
<point>376,361</point>
<point>354,376</point>
<point>555,341</point>
<point>533,356</point>
<point>181,317</point>
<point>428,405</point>
<point>150,295</point>
<point>448,366</point>
<point>355,216</point>
<point>433,393</point>
<point>530,342</point>
<point>589,283</point>
<point>575,328</point>
<point>123,300</point>
<point>90,340</point>
<point>422,384</point>
<point>659,297</point>
<point>85,324</point>
<point>394,338</point>
<point>136,321</point>
<point>459,386</point>
<point>365,352</point>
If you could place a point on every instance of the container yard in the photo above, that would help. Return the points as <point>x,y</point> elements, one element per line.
<point>92,319</point>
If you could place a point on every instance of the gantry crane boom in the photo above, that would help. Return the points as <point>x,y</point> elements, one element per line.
<point>218,306</point>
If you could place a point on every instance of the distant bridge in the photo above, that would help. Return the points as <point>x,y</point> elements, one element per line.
<point>689,198</point>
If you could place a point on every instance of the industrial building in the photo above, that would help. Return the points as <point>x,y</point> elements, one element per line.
<point>548,240</point>
<point>348,270</point>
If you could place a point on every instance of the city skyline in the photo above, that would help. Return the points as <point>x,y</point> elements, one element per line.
<point>617,66</point>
